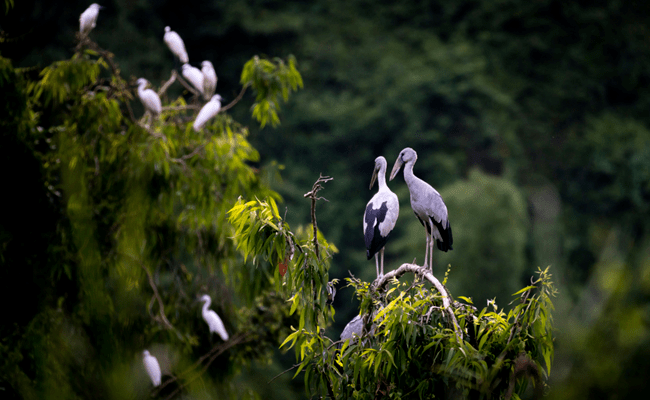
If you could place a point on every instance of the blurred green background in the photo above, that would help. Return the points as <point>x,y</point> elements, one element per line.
<point>531,118</point>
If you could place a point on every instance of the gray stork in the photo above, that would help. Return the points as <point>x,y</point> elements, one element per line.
<point>380,216</point>
<point>427,205</point>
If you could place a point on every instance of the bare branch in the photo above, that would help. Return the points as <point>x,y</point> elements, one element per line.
<point>188,86</point>
<point>313,196</point>
<point>283,372</point>
<point>424,273</point>
<point>167,84</point>
<point>236,100</point>
<point>212,355</point>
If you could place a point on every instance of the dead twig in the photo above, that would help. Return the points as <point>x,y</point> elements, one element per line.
<point>312,194</point>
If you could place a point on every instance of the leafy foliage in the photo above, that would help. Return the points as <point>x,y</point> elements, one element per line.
<point>408,347</point>
<point>270,80</point>
<point>140,231</point>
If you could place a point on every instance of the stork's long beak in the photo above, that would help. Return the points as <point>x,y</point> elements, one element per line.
<point>396,168</point>
<point>374,178</point>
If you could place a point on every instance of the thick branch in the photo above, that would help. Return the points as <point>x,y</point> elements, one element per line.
<point>425,273</point>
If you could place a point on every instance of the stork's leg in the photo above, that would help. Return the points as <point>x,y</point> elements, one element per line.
<point>431,246</point>
<point>377,263</point>
<point>426,252</point>
<point>382,261</point>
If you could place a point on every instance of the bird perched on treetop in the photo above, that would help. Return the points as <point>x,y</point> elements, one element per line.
<point>88,18</point>
<point>427,205</point>
<point>176,45</point>
<point>149,98</point>
<point>212,319</point>
<point>152,367</point>
<point>209,110</point>
<point>194,75</point>
<point>209,79</point>
<point>380,216</point>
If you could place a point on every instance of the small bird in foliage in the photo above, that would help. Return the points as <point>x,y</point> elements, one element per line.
<point>209,79</point>
<point>176,45</point>
<point>380,216</point>
<point>149,98</point>
<point>212,319</point>
<point>88,18</point>
<point>209,110</point>
<point>152,367</point>
<point>194,76</point>
<point>427,205</point>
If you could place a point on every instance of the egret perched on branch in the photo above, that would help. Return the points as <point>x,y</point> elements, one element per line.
<point>427,205</point>
<point>209,79</point>
<point>380,216</point>
<point>175,44</point>
<point>152,367</point>
<point>209,110</point>
<point>149,98</point>
<point>88,18</point>
<point>194,75</point>
<point>212,319</point>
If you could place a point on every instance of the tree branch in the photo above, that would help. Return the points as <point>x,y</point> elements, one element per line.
<point>313,196</point>
<point>236,100</point>
<point>424,273</point>
<point>215,352</point>
<point>167,84</point>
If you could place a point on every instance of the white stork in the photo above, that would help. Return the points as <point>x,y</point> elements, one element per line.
<point>212,319</point>
<point>194,75</point>
<point>152,367</point>
<point>380,216</point>
<point>88,18</point>
<point>175,44</point>
<point>209,110</point>
<point>149,98</point>
<point>209,79</point>
<point>427,205</point>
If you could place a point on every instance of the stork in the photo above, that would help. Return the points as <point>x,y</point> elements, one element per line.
<point>152,367</point>
<point>175,44</point>
<point>209,79</point>
<point>88,18</point>
<point>427,205</point>
<point>380,216</point>
<point>209,110</point>
<point>212,319</point>
<point>149,98</point>
<point>194,75</point>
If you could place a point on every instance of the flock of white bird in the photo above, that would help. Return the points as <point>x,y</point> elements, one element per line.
<point>382,210</point>
<point>203,80</point>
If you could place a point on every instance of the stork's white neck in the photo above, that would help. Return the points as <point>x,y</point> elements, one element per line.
<point>409,177</point>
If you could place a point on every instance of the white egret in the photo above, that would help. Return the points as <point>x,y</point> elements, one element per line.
<point>209,110</point>
<point>212,319</point>
<point>152,367</point>
<point>88,18</point>
<point>149,98</point>
<point>209,79</point>
<point>427,205</point>
<point>175,44</point>
<point>380,216</point>
<point>194,75</point>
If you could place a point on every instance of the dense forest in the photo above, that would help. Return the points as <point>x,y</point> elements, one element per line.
<point>529,118</point>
